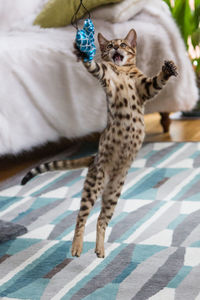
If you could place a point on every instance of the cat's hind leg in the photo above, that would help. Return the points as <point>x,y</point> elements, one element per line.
<point>110,198</point>
<point>92,189</point>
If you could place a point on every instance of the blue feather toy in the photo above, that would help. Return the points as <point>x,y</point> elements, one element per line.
<point>85,37</point>
<point>85,40</point>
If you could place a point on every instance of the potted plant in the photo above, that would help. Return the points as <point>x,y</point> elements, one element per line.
<point>187,16</point>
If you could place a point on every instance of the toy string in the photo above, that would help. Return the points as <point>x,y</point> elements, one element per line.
<point>74,20</point>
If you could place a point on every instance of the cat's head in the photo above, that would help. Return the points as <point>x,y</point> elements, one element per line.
<point>119,51</point>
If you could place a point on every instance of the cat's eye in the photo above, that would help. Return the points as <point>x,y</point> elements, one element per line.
<point>109,46</point>
<point>123,45</point>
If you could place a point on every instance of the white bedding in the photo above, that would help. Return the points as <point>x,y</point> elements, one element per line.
<point>46,94</point>
<point>127,9</point>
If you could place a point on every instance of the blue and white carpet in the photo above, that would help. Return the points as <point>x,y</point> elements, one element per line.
<point>152,241</point>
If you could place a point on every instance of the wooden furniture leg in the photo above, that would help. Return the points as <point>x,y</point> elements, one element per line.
<point>165,121</point>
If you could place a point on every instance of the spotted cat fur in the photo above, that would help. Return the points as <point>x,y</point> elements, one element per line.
<point>127,89</point>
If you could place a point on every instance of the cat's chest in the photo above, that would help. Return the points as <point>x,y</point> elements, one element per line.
<point>121,84</point>
<point>122,95</point>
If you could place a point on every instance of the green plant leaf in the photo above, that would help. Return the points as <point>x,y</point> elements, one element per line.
<point>196,3</point>
<point>184,18</point>
<point>196,38</point>
<point>198,66</point>
<point>197,13</point>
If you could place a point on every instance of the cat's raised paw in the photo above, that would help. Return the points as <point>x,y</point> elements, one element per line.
<point>79,55</point>
<point>169,68</point>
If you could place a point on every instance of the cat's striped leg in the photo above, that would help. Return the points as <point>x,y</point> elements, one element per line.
<point>92,188</point>
<point>96,69</point>
<point>110,198</point>
<point>149,87</point>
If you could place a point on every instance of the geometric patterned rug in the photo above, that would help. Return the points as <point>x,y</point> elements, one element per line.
<point>152,242</point>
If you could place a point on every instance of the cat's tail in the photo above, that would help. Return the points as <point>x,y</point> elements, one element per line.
<point>58,165</point>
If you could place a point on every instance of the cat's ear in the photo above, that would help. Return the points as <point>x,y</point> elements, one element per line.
<point>131,38</point>
<point>102,41</point>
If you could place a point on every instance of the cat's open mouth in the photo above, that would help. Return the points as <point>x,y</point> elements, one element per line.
<point>117,57</point>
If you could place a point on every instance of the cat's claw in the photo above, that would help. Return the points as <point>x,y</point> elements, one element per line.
<point>169,68</point>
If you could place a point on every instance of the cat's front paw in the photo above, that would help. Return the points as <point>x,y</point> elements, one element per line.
<point>169,68</point>
<point>79,55</point>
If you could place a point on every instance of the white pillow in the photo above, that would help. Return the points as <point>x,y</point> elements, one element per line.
<point>13,11</point>
<point>125,10</point>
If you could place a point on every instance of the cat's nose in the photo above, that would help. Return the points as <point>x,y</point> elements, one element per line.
<point>115,47</point>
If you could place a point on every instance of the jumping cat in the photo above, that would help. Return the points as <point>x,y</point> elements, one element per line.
<point>127,89</point>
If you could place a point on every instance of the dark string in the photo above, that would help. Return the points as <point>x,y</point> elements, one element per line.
<point>74,20</point>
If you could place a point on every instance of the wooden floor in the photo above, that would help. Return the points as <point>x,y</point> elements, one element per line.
<point>180,131</point>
